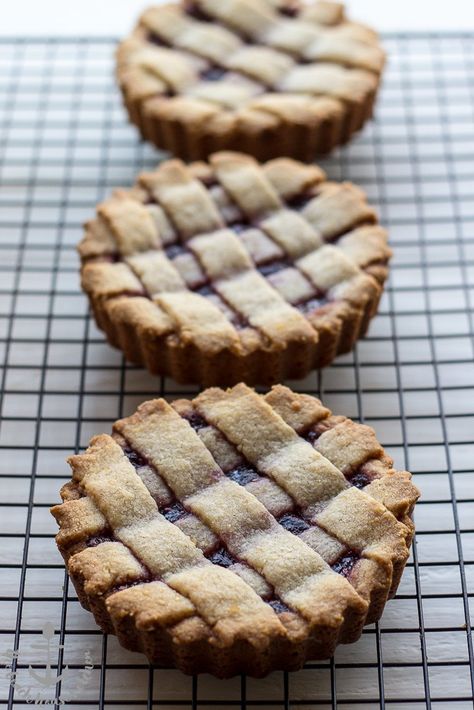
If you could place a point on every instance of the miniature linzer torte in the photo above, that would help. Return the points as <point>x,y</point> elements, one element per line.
<point>266,77</point>
<point>235,532</point>
<point>230,271</point>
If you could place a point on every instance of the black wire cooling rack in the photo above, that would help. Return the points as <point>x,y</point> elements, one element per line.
<point>64,145</point>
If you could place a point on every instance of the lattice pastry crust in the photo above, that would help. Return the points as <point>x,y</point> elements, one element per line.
<point>268,77</point>
<point>235,532</point>
<point>232,271</point>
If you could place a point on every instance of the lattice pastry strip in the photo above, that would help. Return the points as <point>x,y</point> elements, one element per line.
<point>274,499</point>
<point>317,487</point>
<point>173,546</point>
<point>122,568</point>
<point>350,446</point>
<point>111,481</point>
<point>121,565</point>
<point>236,259</point>
<point>197,77</point>
<point>223,505</point>
<point>282,506</point>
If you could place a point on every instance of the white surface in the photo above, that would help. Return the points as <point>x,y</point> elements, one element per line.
<point>89,17</point>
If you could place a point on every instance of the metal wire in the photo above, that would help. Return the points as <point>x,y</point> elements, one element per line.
<point>64,144</point>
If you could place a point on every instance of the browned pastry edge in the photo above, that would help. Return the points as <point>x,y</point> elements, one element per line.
<point>190,647</point>
<point>190,134</point>
<point>127,317</point>
<point>167,356</point>
<point>188,130</point>
<point>186,140</point>
<point>189,643</point>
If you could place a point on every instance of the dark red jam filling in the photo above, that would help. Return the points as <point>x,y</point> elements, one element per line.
<point>298,202</point>
<point>99,539</point>
<point>359,479</point>
<point>312,436</point>
<point>312,305</point>
<point>205,290</point>
<point>293,523</point>
<point>194,11</point>
<point>213,74</point>
<point>209,180</point>
<point>239,227</point>
<point>272,267</point>
<point>174,512</point>
<point>104,258</point>
<point>174,250</point>
<point>222,557</point>
<point>196,421</point>
<point>277,605</point>
<point>345,564</point>
<point>291,9</point>
<point>155,39</point>
<point>134,294</point>
<point>135,459</point>
<point>243,474</point>
<point>143,579</point>
<point>238,321</point>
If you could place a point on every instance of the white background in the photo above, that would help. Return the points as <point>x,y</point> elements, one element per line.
<point>93,17</point>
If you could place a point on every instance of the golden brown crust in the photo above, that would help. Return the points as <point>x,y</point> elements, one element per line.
<point>228,534</point>
<point>282,290</point>
<point>256,77</point>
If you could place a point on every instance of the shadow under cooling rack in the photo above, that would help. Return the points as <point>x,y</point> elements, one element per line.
<point>64,144</point>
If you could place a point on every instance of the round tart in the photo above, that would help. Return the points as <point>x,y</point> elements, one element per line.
<point>269,77</point>
<point>235,532</point>
<point>234,271</point>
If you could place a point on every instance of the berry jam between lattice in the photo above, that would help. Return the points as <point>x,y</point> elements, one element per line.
<point>174,512</point>
<point>293,523</point>
<point>345,564</point>
<point>134,457</point>
<point>243,475</point>
<point>222,558</point>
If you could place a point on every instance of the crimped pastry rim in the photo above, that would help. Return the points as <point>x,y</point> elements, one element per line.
<point>194,129</point>
<point>187,644</point>
<point>129,319</point>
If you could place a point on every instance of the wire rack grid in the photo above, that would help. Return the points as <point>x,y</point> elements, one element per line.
<point>64,145</point>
